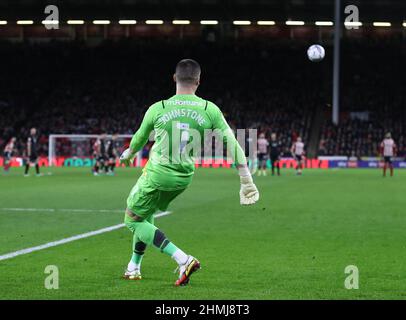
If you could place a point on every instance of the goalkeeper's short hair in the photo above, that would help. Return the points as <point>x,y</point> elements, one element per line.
<point>187,72</point>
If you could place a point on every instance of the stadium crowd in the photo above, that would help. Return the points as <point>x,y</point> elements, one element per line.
<point>73,88</point>
<point>372,97</point>
<point>357,138</point>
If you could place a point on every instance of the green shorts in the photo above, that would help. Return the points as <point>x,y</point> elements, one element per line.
<point>144,199</point>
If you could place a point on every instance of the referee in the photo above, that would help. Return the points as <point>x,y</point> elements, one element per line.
<point>276,152</point>
<point>32,152</point>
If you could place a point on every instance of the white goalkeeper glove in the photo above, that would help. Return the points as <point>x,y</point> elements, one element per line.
<point>126,157</point>
<point>249,193</point>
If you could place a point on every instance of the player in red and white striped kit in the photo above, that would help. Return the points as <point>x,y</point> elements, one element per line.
<point>97,156</point>
<point>388,150</point>
<point>8,150</point>
<point>263,154</point>
<point>298,152</point>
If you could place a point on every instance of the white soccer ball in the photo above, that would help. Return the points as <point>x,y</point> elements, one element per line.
<point>316,53</point>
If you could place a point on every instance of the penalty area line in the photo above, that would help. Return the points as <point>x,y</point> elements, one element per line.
<point>70,239</point>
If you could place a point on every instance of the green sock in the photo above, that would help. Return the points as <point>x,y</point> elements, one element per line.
<point>138,250</point>
<point>170,249</point>
<point>148,234</point>
<point>175,253</point>
<point>144,231</point>
<point>137,258</point>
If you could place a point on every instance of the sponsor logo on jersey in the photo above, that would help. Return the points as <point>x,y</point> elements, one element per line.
<point>184,103</point>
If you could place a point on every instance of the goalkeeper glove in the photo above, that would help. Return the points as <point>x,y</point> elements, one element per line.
<point>126,157</point>
<point>248,193</point>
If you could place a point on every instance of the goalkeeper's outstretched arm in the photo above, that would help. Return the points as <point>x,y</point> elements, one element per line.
<point>139,139</point>
<point>249,193</point>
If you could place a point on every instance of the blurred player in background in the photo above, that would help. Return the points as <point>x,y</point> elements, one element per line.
<point>251,156</point>
<point>112,154</point>
<point>276,152</point>
<point>31,152</point>
<point>297,151</point>
<point>99,154</point>
<point>8,151</point>
<point>263,145</point>
<point>170,168</point>
<point>96,156</point>
<point>388,150</point>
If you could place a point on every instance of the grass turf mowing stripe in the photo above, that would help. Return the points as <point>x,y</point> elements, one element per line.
<point>61,210</point>
<point>70,239</point>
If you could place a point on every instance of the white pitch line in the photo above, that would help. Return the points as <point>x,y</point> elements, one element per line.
<point>70,239</point>
<point>28,209</point>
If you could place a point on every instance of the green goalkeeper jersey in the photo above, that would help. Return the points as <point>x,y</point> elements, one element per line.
<point>179,125</point>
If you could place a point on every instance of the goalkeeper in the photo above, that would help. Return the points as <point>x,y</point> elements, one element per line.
<point>169,171</point>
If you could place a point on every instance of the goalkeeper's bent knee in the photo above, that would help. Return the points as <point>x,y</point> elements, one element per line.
<point>139,248</point>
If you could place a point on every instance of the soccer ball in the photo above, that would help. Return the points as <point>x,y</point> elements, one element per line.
<point>315,53</point>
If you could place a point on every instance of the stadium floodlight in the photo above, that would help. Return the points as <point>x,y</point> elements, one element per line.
<point>3,22</point>
<point>241,22</point>
<point>266,23</point>
<point>101,21</point>
<point>181,22</point>
<point>49,22</point>
<point>294,23</point>
<point>75,22</point>
<point>324,23</point>
<point>154,21</point>
<point>25,22</point>
<point>381,24</point>
<point>353,24</point>
<point>209,22</point>
<point>127,21</point>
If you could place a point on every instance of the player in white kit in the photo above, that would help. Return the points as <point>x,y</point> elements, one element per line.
<point>297,151</point>
<point>263,145</point>
<point>8,151</point>
<point>388,150</point>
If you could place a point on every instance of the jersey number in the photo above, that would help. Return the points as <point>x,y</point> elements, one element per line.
<point>184,136</point>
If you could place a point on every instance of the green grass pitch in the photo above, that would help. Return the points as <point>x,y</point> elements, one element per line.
<point>294,244</point>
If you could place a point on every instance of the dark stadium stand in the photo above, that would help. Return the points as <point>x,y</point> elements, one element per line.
<point>68,87</point>
<point>372,99</point>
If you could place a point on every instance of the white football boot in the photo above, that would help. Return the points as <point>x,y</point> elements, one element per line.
<point>186,270</point>
<point>132,275</point>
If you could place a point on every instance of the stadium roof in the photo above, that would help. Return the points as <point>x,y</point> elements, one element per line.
<point>279,10</point>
